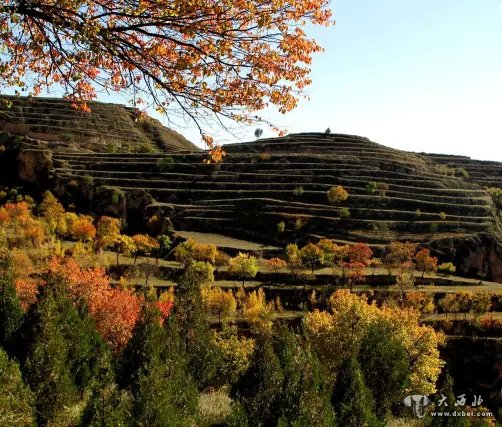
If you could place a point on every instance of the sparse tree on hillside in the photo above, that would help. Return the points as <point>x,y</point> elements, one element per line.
<point>327,131</point>
<point>162,54</point>
<point>122,245</point>
<point>276,264</point>
<point>258,133</point>
<point>144,245</point>
<point>83,230</point>
<point>337,194</point>
<point>424,262</point>
<point>244,265</point>
<point>312,256</point>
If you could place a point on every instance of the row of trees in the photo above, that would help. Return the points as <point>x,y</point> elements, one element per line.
<point>351,260</point>
<point>21,228</point>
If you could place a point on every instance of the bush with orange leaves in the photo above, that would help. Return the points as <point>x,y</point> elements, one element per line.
<point>276,264</point>
<point>115,311</point>
<point>82,229</point>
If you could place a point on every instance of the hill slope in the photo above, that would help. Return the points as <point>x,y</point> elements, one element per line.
<point>261,185</point>
<point>108,127</point>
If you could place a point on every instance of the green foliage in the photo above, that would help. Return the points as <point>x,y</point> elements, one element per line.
<point>371,187</point>
<point>298,224</point>
<point>304,399</point>
<point>496,195</point>
<point>327,131</point>
<point>433,227</point>
<point>462,173</point>
<point>193,326</point>
<point>155,370</point>
<point>281,227</point>
<point>11,314</point>
<point>385,366</point>
<point>352,400</point>
<point>164,247</point>
<point>344,213</point>
<point>165,164</point>
<point>284,384</point>
<point>260,386</point>
<point>108,406</point>
<point>16,399</point>
<point>447,390</point>
<point>298,191</point>
<point>447,268</point>
<point>418,213</point>
<point>47,366</point>
<point>442,216</point>
<point>258,133</point>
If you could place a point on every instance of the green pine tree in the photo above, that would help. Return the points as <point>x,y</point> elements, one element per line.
<point>11,314</point>
<point>305,396</point>
<point>352,400</point>
<point>154,368</point>
<point>385,367</point>
<point>16,399</point>
<point>47,368</point>
<point>447,390</point>
<point>260,387</point>
<point>108,407</point>
<point>194,328</point>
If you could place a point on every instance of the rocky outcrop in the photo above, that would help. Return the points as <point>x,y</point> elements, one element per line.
<point>477,256</point>
<point>34,166</point>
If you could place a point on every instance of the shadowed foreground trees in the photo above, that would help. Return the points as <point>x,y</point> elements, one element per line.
<point>323,374</point>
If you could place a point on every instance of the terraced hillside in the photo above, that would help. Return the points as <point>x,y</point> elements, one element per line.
<point>392,194</point>
<point>484,173</point>
<point>108,127</point>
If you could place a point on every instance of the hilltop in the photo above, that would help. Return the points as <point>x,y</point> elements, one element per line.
<point>272,191</point>
<point>108,127</point>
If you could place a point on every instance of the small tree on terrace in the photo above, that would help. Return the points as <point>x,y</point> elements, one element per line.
<point>244,265</point>
<point>276,264</point>
<point>258,133</point>
<point>312,256</point>
<point>337,194</point>
<point>123,245</point>
<point>219,302</point>
<point>399,255</point>
<point>190,250</point>
<point>107,230</point>
<point>144,245</point>
<point>293,258</point>
<point>424,262</point>
<point>83,230</point>
<point>164,247</point>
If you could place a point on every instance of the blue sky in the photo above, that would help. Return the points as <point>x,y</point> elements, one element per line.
<point>415,75</point>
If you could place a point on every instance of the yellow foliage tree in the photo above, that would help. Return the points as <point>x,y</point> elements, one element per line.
<point>257,311</point>
<point>335,336</point>
<point>218,302</point>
